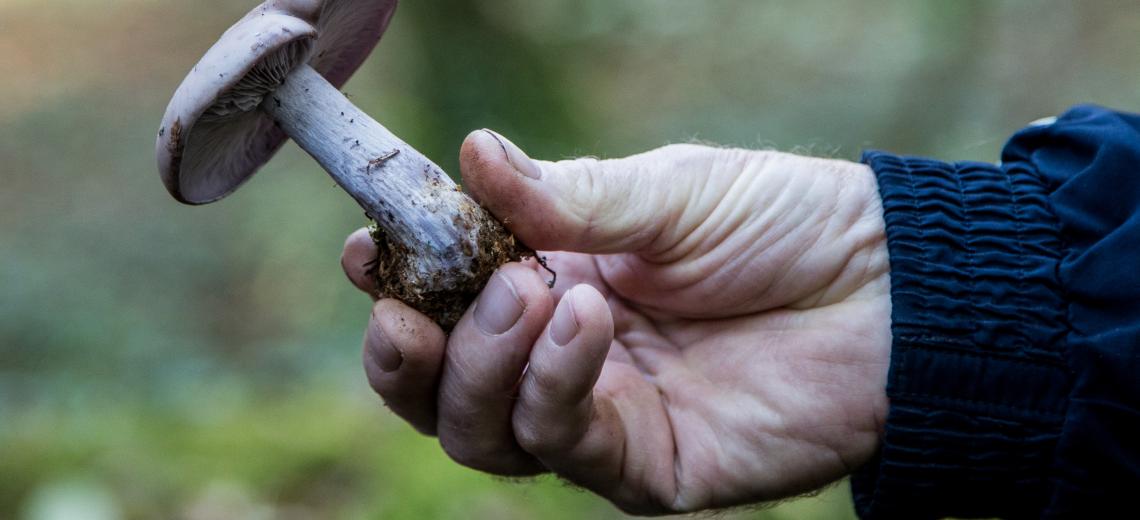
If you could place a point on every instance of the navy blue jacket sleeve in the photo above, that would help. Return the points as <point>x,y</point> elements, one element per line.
<point>1014,382</point>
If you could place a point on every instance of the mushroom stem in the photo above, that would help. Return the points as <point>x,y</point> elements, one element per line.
<point>438,247</point>
<point>384,174</point>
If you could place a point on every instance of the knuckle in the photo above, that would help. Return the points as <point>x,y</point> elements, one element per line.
<point>686,154</point>
<point>529,437</point>
<point>581,166</point>
<point>584,182</point>
<point>584,193</point>
<point>537,440</point>
<point>463,453</point>
<point>498,457</point>
<point>704,159</point>
<point>548,384</point>
<point>546,436</point>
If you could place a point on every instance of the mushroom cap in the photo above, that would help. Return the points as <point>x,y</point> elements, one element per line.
<point>213,138</point>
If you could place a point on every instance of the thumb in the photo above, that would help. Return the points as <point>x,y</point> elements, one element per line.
<point>585,205</point>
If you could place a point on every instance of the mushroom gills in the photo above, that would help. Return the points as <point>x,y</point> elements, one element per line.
<point>265,77</point>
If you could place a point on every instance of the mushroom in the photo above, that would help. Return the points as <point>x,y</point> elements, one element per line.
<point>275,75</point>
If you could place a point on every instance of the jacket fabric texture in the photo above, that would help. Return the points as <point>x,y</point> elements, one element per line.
<point>1014,382</point>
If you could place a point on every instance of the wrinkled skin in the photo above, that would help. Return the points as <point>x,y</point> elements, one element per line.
<point>724,316</point>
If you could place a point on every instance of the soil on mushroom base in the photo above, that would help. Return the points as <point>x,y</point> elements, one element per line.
<point>446,295</point>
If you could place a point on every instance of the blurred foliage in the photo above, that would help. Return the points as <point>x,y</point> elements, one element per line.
<point>162,361</point>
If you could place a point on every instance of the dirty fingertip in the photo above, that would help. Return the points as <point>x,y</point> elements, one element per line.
<point>357,260</point>
<point>414,337</point>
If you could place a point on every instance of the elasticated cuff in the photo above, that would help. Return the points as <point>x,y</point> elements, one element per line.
<point>977,385</point>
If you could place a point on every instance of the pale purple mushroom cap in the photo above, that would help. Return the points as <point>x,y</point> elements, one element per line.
<point>213,138</point>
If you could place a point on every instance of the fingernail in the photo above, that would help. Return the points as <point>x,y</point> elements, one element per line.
<point>498,307</point>
<point>525,165</point>
<point>383,352</point>
<point>564,325</point>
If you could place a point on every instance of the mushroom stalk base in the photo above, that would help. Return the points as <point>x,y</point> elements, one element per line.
<point>438,247</point>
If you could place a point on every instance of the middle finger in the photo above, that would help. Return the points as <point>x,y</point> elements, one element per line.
<point>485,358</point>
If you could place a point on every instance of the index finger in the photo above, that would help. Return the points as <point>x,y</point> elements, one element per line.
<point>358,255</point>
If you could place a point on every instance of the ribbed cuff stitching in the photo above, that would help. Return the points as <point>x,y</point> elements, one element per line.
<point>977,385</point>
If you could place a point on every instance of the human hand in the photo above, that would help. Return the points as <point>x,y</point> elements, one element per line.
<point>719,333</point>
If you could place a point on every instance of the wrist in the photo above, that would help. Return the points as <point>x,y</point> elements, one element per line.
<point>874,260</point>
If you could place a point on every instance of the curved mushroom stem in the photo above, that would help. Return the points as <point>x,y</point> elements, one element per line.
<point>437,246</point>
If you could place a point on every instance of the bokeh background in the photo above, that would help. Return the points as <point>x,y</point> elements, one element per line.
<point>164,361</point>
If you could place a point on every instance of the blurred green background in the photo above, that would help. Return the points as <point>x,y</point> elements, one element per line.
<point>163,361</point>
